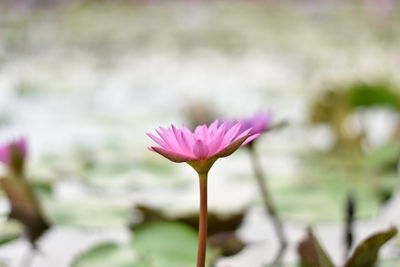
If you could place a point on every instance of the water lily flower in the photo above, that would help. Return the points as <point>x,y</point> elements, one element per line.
<point>200,149</point>
<point>13,151</point>
<point>258,123</point>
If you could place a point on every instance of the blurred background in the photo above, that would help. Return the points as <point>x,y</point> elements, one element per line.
<point>84,80</point>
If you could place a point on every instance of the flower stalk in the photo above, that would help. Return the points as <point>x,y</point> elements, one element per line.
<point>203,214</point>
<point>268,202</point>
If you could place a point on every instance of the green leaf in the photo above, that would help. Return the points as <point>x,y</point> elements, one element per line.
<point>162,244</point>
<point>311,253</point>
<point>10,230</point>
<point>366,253</point>
<point>5,239</point>
<point>91,213</point>
<point>375,94</point>
<point>166,244</point>
<point>106,255</point>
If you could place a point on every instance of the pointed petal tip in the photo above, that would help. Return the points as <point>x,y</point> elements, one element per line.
<point>248,131</point>
<point>149,134</point>
<point>214,123</point>
<point>229,149</point>
<point>250,139</point>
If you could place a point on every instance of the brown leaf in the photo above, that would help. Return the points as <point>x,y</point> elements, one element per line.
<point>311,253</point>
<point>25,207</point>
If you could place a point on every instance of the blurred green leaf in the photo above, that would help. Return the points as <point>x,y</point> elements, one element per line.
<point>43,187</point>
<point>88,213</point>
<point>326,177</point>
<point>106,255</point>
<point>389,263</point>
<point>221,227</point>
<point>5,239</point>
<point>166,244</point>
<point>373,94</point>
<point>162,244</point>
<point>383,159</point>
<point>366,253</point>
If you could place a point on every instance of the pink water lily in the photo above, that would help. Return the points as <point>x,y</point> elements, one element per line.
<point>259,123</point>
<point>6,150</point>
<point>215,141</point>
<point>200,149</point>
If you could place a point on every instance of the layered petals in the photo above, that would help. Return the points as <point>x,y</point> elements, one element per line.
<point>217,140</point>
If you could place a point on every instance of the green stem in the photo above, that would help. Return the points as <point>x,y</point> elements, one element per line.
<point>201,250</point>
<point>268,203</point>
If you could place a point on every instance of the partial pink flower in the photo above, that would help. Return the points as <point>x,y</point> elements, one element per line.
<point>215,141</point>
<point>6,150</point>
<point>258,123</point>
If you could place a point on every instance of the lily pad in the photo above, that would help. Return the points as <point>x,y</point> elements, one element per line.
<point>154,245</point>
<point>90,213</point>
<point>221,228</point>
<point>165,244</point>
<point>105,255</point>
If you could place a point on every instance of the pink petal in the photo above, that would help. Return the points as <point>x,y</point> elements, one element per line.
<point>230,134</point>
<point>247,132</point>
<point>182,143</point>
<point>223,126</point>
<point>233,131</point>
<point>215,144</point>
<point>231,147</point>
<point>5,154</point>
<point>200,149</point>
<point>168,136</point>
<point>157,140</point>
<point>251,138</point>
<point>259,122</point>
<point>213,127</point>
<point>197,131</point>
<point>187,138</point>
<point>201,132</point>
<point>164,139</point>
